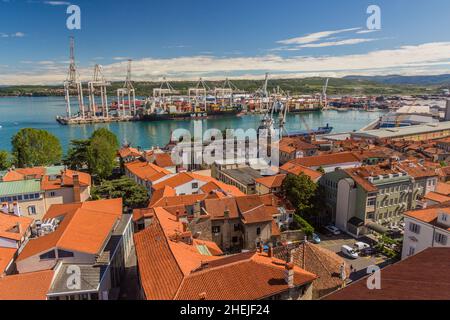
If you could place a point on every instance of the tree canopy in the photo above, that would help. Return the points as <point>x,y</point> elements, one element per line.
<point>77,155</point>
<point>133,194</point>
<point>102,152</point>
<point>33,147</point>
<point>300,191</point>
<point>6,160</point>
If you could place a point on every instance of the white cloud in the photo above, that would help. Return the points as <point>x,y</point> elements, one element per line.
<point>431,58</point>
<point>57,3</point>
<point>314,37</point>
<point>336,43</point>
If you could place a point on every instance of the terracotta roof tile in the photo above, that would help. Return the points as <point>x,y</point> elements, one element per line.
<point>297,169</point>
<point>8,226</point>
<point>272,181</point>
<point>425,275</point>
<point>327,159</point>
<point>84,229</point>
<point>146,171</point>
<point>26,286</point>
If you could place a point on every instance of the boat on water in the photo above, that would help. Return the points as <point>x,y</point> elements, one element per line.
<point>306,133</point>
<point>161,116</point>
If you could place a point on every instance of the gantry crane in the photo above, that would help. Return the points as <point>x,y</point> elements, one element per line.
<point>73,83</point>
<point>100,83</point>
<point>127,90</point>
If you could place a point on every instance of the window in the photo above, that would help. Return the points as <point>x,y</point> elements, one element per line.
<point>236,227</point>
<point>64,254</point>
<point>216,229</point>
<point>234,239</point>
<point>47,256</point>
<point>194,185</point>
<point>258,231</point>
<point>32,210</point>
<point>371,202</point>
<point>441,239</point>
<point>414,228</point>
<point>52,194</point>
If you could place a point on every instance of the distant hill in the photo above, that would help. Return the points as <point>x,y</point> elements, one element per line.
<point>354,85</point>
<point>438,80</point>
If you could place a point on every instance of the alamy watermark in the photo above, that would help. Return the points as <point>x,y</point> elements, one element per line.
<point>257,148</point>
<point>374,20</point>
<point>73,22</point>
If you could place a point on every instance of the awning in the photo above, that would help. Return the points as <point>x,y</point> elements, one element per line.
<point>377,228</point>
<point>357,222</point>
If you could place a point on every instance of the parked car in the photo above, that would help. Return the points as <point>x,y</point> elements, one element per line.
<point>367,252</point>
<point>349,252</point>
<point>335,231</point>
<point>315,238</point>
<point>361,245</point>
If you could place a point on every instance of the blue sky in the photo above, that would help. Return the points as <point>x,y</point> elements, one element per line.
<point>186,39</point>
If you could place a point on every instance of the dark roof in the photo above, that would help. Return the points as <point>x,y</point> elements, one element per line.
<point>245,176</point>
<point>424,276</point>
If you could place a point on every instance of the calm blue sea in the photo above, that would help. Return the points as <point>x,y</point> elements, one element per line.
<point>40,113</point>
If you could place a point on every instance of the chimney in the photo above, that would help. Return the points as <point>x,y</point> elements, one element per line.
<point>202,296</point>
<point>270,252</point>
<point>197,209</point>
<point>226,213</point>
<point>5,208</point>
<point>178,215</point>
<point>185,226</point>
<point>17,210</point>
<point>289,274</point>
<point>76,188</point>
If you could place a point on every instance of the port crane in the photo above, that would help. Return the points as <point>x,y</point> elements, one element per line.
<point>263,95</point>
<point>127,90</point>
<point>323,97</point>
<point>100,83</point>
<point>73,83</point>
<point>159,95</point>
<point>225,92</point>
<point>198,95</point>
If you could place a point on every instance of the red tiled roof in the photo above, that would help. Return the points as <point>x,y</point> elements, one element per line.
<point>327,159</point>
<point>172,270</point>
<point>129,152</point>
<point>423,276</point>
<point>26,286</point>
<point>66,180</point>
<point>146,171</point>
<point>428,215</point>
<point>83,230</point>
<point>271,181</point>
<point>163,160</point>
<point>8,226</point>
<point>443,188</point>
<point>297,169</point>
<point>6,257</point>
<point>436,197</point>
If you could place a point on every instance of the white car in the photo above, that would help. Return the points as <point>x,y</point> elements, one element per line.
<point>333,230</point>
<point>349,252</point>
<point>361,246</point>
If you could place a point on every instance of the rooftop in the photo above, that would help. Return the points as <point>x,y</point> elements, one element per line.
<point>326,159</point>
<point>402,131</point>
<point>423,276</point>
<point>11,188</point>
<point>245,175</point>
<point>26,286</point>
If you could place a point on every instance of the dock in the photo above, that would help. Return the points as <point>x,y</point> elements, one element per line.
<point>93,120</point>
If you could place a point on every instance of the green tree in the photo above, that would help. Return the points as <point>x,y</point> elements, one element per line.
<point>304,225</point>
<point>300,191</point>
<point>133,194</point>
<point>33,147</point>
<point>6,160</point>
<point>321,170</point>
<point>102,152</point>
<point>77,157</point>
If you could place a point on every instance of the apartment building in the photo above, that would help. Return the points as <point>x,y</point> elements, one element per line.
<point>293,148</point>
<point>426,228</point>
<point>372,197</point>
<point>32,191</point>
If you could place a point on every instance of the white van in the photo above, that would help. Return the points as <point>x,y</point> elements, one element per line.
<point>349,252</point>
